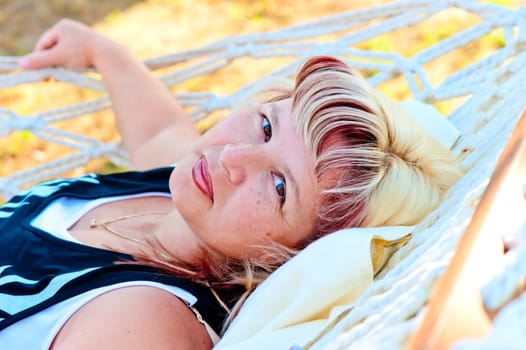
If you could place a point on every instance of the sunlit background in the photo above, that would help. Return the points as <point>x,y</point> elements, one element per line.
<point>156,27</point>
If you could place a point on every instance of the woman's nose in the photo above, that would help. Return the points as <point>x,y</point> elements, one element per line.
<point>239,160</point>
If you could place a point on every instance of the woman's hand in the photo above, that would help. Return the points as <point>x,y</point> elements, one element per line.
<point>155,129</point>
<point>67,44</point>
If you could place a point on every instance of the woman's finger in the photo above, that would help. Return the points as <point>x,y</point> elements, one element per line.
<point>47,40</point>
<point>39,59</point>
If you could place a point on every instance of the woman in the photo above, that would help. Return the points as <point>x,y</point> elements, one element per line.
<point>88,258</point>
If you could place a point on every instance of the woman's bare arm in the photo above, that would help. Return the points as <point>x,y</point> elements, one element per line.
<point>133,318</point>
<point>155,129</point>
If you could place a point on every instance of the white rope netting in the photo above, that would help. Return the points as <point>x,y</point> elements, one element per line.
<point>483,99</point>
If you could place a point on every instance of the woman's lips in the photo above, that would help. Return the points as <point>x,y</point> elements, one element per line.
<point>202,178</point>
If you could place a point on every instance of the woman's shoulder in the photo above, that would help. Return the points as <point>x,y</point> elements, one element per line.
<point>134,317</point>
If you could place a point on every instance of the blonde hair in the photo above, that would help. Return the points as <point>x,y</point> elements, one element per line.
<point>382,168</point>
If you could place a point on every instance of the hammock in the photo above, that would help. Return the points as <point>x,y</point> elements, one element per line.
<point>483,99</point>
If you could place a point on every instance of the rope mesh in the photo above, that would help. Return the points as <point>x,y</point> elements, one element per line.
<point>482,100</point>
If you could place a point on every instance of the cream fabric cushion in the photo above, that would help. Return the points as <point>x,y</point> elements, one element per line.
<point>302,297</point>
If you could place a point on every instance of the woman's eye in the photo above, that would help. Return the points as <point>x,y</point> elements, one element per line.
<point>267,128</point>
<point>279,185</point>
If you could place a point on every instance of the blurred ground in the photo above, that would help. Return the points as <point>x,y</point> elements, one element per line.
<point>22,20</point>
<point>153,26</point>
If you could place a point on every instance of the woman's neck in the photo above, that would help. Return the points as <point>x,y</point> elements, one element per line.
<point>158,232</point>
<point>176,237</point>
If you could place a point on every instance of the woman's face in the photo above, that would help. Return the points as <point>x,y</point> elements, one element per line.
<point>250,181</point>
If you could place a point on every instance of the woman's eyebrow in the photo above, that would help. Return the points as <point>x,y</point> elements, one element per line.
<point>294,184</point>
<point>274,117</point>
<point>288,173</point>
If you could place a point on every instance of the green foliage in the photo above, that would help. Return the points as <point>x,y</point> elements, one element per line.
<point>113,15</point>
<point>380,43</point>
<point>494,39</point>
<point>16,144</point>
<point>506,3</point>
<point>109,167</point>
